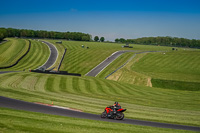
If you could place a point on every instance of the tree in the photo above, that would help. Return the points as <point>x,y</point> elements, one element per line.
<point>1,36</point>
<point>85,38</point>
<point>3,33</point>
<point>122,40</point>
<point>96,38</point>
<point>116,40</point>
<point>102,39</point>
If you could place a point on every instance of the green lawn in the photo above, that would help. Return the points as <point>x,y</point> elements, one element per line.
<point>179,65</point>
<point>37,56</point>
<point>159,102</point>
<point>93,95</point>
<point>12,50</point>
<point>172,70</point>
<point>23,121</point>
<point>82,60</point>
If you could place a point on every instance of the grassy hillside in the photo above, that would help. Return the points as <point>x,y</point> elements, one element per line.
<point>174,70</point>
<point>82,60</point>
<point>89,94</point>
<point>93,94</point>
<point>125,74</point>
<point>22,121</point>
<point>182,65</point>
<point>12,50</point>
<point>37,56</point>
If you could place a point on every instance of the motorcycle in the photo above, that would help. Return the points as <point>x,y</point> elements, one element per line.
<point>113,113</point>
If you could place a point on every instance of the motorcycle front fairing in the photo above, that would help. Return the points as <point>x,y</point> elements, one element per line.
<point>121,110</point>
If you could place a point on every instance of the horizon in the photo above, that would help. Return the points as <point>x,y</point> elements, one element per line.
<point>108,19</point>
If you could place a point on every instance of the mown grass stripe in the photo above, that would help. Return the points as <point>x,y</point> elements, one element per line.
<point>88,86</point>
<point>13,52</point>
<point>100,88</point>
<point>82,86</point>
<point>70,85</point>
<point>112,89</point>
<point>13,81</point>
<point>34,58</point>
<point>26,84</point>
<point>75,81</point>
<point>56,84</point>
<point>37,55</point>
<point>62,85</point>
<point>49,84</point>
<point>40,84</point>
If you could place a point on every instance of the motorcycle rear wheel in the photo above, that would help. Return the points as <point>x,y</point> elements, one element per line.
<point>119,116</point>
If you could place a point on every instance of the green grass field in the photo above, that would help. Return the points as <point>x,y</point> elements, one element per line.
<point>22,121</point>
<point>172,70</point>
<point>180,65</point>
<point>82,60</point>
<point>37,56</point>
<point>93,95</point>
<point>160,102</point>
<point>12,50</point>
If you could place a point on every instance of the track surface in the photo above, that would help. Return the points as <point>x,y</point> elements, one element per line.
<point>2,72</point>
<point>53,56</point>
<point>106,62</point>
<point>22,105</point>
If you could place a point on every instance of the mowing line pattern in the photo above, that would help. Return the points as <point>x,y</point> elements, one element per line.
<point>12,51</point>
<point>37,55</point>
<point>93,94</point>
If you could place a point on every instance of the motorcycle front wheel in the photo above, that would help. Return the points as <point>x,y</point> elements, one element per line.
<point>119,116</point>
<point>103,115</point>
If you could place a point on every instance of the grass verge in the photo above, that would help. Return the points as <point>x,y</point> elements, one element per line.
<point>36,57</point>
<point>93,95</point>
<point>23,121</point>
<point>12,50</point>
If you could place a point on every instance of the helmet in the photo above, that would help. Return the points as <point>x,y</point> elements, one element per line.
<point>116,103</point>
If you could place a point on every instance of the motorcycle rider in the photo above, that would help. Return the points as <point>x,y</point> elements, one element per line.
<point>114,107</point>
<point>117,105</point>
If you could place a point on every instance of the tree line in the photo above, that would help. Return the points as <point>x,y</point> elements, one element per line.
<point>11,32</point>
<point>78,36</point>
<point>163,41</point>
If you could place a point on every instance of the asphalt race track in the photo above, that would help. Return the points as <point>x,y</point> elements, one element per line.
<point>2,72</point>
<point>22,105</point>
<point>53,56</point>
<point>106,62</point>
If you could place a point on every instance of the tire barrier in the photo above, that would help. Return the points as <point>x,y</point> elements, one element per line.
<point>57,72</point>
<point>62,59</point>
<point>19,58</point>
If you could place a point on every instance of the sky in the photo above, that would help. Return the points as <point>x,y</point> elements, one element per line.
<point>110,19</point>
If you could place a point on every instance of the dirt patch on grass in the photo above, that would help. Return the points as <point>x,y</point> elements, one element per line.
<point>149,82</point>
<point>115,76</point>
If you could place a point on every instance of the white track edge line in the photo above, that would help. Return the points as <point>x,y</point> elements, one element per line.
<point>101,62</point>
<point>49,55</point>
<point>108,64</point>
